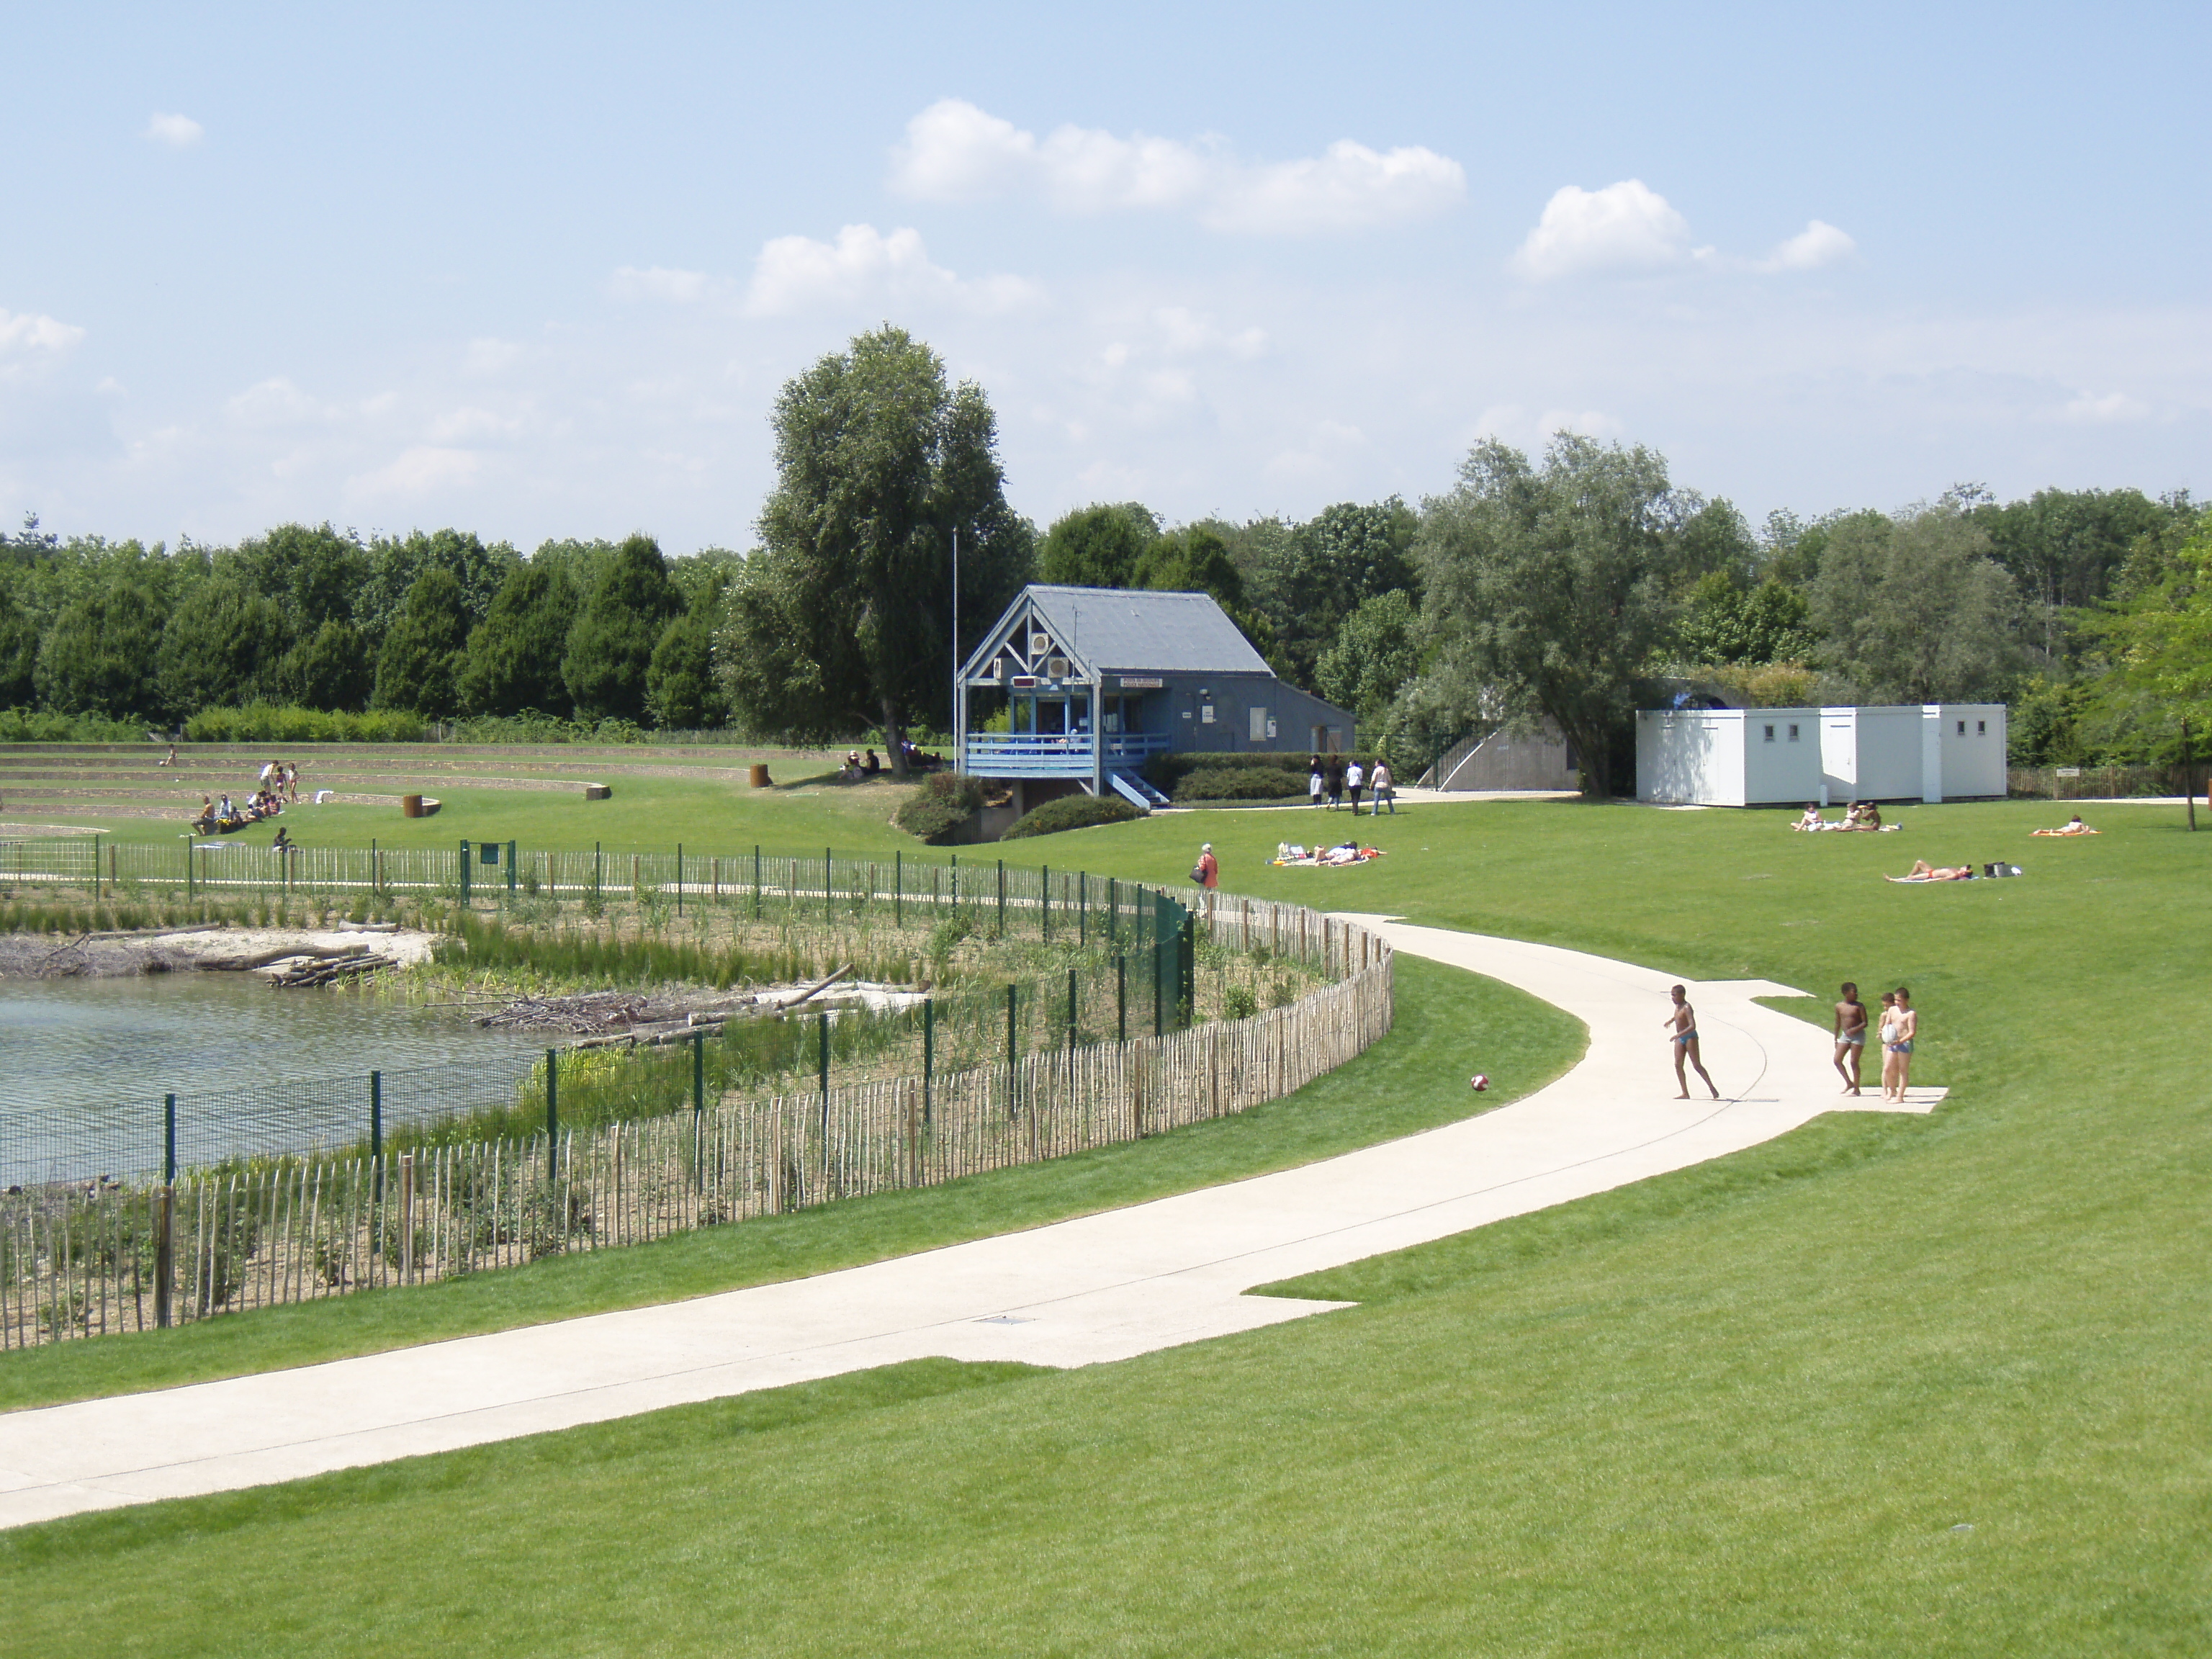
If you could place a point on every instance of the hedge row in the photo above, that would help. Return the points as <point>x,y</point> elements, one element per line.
<point>263,722</point>
<point>1071,813</point>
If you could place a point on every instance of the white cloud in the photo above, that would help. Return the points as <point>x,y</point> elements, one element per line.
<point>955,152</point>
<point>490,356</point>
<point>276,403</point>
<point>678,286</point>
<point>1819,244</point>
<point>423,470</point>
<point>24,332</point>
<point>797,273</point>
<point>462,425</point>
<point>1625,227</point>
<point>178,131</point>
<point>2113,406</point>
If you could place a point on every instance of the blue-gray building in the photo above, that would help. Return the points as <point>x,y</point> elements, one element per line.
<point>1100,680</point>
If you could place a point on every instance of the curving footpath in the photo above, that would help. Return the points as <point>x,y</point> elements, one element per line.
<point>1100,1288</point>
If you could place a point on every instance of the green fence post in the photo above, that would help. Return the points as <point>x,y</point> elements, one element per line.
<point>376,1135</point>
<point>375,868</point>
<point>1044,902</point>
<point>465,875</point>
<point>95,869</point>
<point>756,881</point>
<point>168,1140</point>
<point>827,914</point>
<point>598,873</point>
<point>1013,1085</point>
<point>1082,909</point>
<point>698,1112</point>
<point>1071,1011</point>
<point>1113,910</point>
<point>188,867</point>
<point>1002,898</point>
<point>898,887</point>
<point>511,862</point>
<point>552,1104</point>
<point>822,1025</point>
<point>679,877</point>
<point>1159,972</point>
<point>1121,999</point>
<point>953,882</point>
<point>928,1052</point>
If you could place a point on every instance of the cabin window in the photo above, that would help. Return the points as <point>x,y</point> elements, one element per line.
<point>1259,726</point>
<point>1981,728</point>
<point>1793,734</point>
<point>1769,734</point>
<point>1962,728</point>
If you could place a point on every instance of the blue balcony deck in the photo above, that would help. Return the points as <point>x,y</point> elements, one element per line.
<point>1059,754</point>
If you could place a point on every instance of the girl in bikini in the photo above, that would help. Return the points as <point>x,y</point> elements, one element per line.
<point>1899,1048</point>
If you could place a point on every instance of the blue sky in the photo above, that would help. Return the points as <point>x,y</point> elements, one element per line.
<point>540,270</point>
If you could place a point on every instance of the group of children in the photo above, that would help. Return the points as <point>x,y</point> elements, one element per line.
<point>1332,779</point>
<point>278,783</point>
<point>1898,1027</point>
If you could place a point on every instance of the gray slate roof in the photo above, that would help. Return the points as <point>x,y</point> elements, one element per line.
<point>1118,630</point>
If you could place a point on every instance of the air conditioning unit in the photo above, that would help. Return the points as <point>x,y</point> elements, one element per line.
<point>1055,668</point>
<point>991,668</point>
<point>1039,644</point>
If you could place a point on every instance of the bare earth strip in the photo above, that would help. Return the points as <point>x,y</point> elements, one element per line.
<point>1101,1288</point>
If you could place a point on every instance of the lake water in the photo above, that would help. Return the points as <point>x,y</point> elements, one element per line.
<point>84,1064</point>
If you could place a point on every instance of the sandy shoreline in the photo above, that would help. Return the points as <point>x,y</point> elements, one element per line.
<point>188,949</point>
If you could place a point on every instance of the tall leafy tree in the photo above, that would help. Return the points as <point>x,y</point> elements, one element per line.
<point>100,657</point>
<point>610,643</point>
<point>512,660</point>
<point>417,665</point>
<point>681,689</point>
<point>1376,652</point>
<point>1098,547</point>
<point>222,645</point>
<point>19,653</point>
<point>315,573</point>
<point>1315,578</point>
<point>1915,610</point>
<point>394,562</point>
<point>1724,624</point>
<point>843,618</point>
<point>1550,586</point>
<point>2158,642</point>
<point>330,668</point>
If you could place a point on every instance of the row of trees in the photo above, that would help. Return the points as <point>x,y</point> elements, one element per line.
<point>439,624</point>
<point>1568,587</point>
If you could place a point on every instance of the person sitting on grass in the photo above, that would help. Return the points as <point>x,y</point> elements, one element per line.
<point>1810,819</point>
<point>284,844</point>
<point>204,821</point>
<point>1923,870</point>
<point>2073,826</point>
<point>871,766</point>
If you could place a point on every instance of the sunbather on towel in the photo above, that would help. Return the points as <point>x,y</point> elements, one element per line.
<point>1923,870</point>
<point>2073,826</point>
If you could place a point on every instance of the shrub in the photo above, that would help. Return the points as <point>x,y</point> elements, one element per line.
<point>263,722</point>
<point>1240,783</point>
<point>41,725</point>
<point>934,813</point>
<point>1071,813</point>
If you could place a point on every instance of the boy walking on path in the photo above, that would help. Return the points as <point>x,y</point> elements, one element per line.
<point>1897,1048</point>
<point>1850,1037</point>
<point>1353,777</point>
<point>1684,1020</point>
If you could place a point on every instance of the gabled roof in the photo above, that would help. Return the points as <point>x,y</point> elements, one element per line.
<point>1118,630</point>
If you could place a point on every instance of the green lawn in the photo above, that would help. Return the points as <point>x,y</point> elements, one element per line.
<point>1886,1386</point>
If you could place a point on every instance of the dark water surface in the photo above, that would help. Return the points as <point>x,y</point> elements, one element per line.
<point>84,1064</point>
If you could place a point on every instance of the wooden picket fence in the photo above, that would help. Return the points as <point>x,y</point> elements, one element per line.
<point>111,1257</point>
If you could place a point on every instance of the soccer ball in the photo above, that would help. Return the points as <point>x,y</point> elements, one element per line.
<point>1479,1082</point>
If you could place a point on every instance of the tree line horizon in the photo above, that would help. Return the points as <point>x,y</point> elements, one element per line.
<point>1560,589</point>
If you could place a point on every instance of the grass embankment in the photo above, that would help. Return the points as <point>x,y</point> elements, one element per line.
<point>1886,1386</point>
<point>1413,1079</point>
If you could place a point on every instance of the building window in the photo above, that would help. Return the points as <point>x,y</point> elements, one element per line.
<point>1792,733</point>
<point>1769,734</point>
<point>1259,731</point>
<point>1962,728</point>
<point>1981,728</point>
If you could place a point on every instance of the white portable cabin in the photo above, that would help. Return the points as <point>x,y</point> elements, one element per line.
<point>1728,756</point>
<point>1785,757</point>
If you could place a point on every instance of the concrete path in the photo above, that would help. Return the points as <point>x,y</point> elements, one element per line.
<point>1078,1292</point>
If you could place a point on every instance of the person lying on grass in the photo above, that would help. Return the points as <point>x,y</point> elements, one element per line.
<point>1923,870</point>
<point>2073,826</point>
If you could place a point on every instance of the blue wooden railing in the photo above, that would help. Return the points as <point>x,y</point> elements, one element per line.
<point>1058,754</point>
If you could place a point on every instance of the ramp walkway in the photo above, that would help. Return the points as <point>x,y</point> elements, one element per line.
<point>1100,1288</point>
